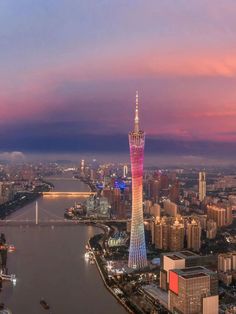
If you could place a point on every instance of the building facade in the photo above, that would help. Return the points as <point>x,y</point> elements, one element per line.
<point>202,186</point>
<point>193,290</point>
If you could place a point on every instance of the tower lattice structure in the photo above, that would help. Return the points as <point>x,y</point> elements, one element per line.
<point>137,249</point>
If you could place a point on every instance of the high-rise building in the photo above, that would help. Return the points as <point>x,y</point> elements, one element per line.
<point>137,249</point>
<point>125,171</point>
<point>82,166</point>
<point>176,236</point>
<point>211,229</point>
<point>182,259</point>
<point>155,210</point>
<point>170,208</point>
<point>162,233</point>
<point>194,235</point>
<point>154,190</point>
<point>220,213</point>
<point>174,192</point>
<point>225,262</point>
<point>228,214</point>
<point>169,233</point>
<point>164,181</point>
<point>147,206</point>
<point>116,201</point>
<point>193,290</point>
<point>202,186</point>
<point>227,267</point>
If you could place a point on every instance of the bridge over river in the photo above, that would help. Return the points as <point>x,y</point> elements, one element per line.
<point>79,194</point>
<point>51,219</point>
<point>54,220</point>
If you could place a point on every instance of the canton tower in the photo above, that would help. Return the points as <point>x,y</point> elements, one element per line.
<point>137,249</point>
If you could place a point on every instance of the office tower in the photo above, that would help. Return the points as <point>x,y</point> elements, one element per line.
<point>176,236</point>
<point>137,249</point>
<point>194,235</point>
<point>182,259</point>
<point>116,201</point>
<point>170,208</point>
<point>211,229</point>
<point>193,290</point>
<point>164,180</point>
<point>125,171</point>
<point>174,192</point>
<point>202,186</point>
<point>154,190</point>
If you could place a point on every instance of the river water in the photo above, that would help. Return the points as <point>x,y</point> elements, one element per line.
<point>49,263</point>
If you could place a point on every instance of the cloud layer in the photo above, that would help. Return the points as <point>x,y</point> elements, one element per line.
<point>69,70</point>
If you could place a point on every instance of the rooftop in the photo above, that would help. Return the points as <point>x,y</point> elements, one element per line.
<point>194,275</point>
<point>193,272</point>
<point>180,255</point>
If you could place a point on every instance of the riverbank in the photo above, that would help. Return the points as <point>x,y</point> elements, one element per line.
<point>22,199</point>
<point>95,247</point>
<point>102,272</point>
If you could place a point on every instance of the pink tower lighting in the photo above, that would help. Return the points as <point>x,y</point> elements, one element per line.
<point>137,249</point>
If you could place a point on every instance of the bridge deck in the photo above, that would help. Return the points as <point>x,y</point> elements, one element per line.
<point>61,222</point>
<point>81,194</point>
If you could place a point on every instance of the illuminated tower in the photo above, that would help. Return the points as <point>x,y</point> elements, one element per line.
<point>137,249</point>
<point>202,186</point>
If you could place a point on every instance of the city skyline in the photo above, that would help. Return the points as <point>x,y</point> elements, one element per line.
<point>62,76</point>
<point>104,217</point>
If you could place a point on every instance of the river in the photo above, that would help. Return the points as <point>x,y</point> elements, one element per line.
<point>49,263</point>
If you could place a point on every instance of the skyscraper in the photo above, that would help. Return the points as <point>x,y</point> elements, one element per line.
<point>176,236</point>
<point>202,186</point>
<point>169,233</point>
<point>137,249</point>
<point>193,290</point>
<point>220,213</point>
<point>125,171</point>
<point>194,235</point>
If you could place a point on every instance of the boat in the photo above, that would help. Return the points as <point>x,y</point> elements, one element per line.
<point>4,310</point>
<point>87,256</point>
<point>11,248</point>
<point>44,304</point>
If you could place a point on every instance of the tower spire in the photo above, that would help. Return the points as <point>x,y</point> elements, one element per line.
<point>136,119</point>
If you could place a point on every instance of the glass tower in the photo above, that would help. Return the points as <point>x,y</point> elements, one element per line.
<point>137,249</point>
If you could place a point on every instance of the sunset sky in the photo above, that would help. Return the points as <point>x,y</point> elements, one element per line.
<point>69,71</point>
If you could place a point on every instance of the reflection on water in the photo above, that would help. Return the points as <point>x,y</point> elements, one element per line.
<point>49,263</point>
